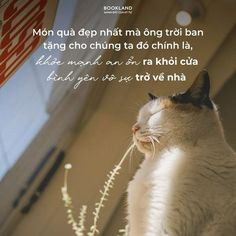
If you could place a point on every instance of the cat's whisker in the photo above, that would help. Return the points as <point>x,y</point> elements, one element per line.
<point>156,139</point>
<point>156,135</point>
<point>152,131</point>
<point>144,132</point>
<point>157,127</point>
<point>153,128</point>
<point>153,145</point>
<point>154,148</point>
<point>131,154</point>
<point>132,150</point>
<point>145,138</point>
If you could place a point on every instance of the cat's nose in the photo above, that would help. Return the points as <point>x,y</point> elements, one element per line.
<point>135,128</point>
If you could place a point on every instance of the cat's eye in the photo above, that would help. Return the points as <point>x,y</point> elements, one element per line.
<point>164,108</point>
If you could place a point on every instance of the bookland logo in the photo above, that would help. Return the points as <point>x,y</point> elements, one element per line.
<point>113,9</point>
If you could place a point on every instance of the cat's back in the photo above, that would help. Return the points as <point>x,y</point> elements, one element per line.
<point>217,161</point>
<point>211,174</point>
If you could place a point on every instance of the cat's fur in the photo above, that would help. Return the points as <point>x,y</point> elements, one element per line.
<point>186,185</point>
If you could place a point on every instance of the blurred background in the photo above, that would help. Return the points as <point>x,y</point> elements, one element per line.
<point>45,124</point>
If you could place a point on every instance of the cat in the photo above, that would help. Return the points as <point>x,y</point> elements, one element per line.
<point>186,185</point>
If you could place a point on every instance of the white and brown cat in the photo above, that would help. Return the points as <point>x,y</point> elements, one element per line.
<point>186,185</point>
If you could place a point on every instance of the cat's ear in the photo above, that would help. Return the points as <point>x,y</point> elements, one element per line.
<point>198,93</point>
<point>199,90</point>
<point>151,96</point>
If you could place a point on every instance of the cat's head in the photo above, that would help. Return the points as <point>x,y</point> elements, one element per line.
<point>175,119</point>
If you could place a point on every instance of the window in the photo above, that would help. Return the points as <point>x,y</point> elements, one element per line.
<point>23,99</point>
